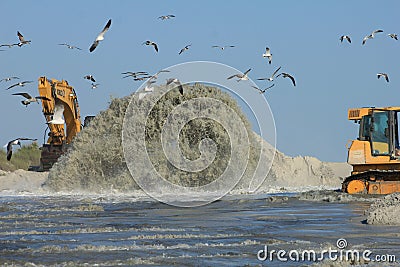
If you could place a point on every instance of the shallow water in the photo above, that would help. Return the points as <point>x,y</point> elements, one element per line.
<point>105,231</point>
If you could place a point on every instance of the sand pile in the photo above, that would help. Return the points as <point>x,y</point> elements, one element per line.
<point>21,181</point>
<point>385,211</point>
<point>305,171</point>
<point>95,162</point>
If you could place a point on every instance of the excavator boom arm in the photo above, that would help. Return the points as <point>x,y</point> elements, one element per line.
<point>59,95</point>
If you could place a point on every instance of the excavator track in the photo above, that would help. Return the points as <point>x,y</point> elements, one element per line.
<point>372,182</point>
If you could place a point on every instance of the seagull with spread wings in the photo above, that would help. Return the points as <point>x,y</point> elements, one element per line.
<point>148,42</point>
<point>272,76</point>
<point>89,77</point>
<point>286,75</point>
<point>142,78</point>
<point>15,142</point>
<point>8,45</point>
<point>384,75</point>
<point>345,37</point>
<point>100,37</point>
<point>95,85</point>
<point>58,114</point>
<point>262,91</point>
<point>134,74</point>
<point>22,40</point>
<point>184,49</point>
<point>71,46</point>
<point>223,47</point>
<point>7,79</point>
<point>22,84</point>
<point>164,17</point>
<point>155,76</point>
<point>371,36</point>
<point>29,99</point>
<point>241,76</point>
<point>393,35</point>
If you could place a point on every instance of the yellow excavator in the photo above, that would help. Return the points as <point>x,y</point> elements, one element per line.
<point>62,114</point>
<point>375,155</point>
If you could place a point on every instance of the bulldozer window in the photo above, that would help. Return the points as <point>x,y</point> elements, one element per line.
<point>365,126</point>
<point>380,133</point>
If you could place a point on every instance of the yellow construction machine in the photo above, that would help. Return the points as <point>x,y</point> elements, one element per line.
<point>62,114</point>
<point>375,155</point>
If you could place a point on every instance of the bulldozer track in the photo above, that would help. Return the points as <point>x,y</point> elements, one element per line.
<point>376,174</point>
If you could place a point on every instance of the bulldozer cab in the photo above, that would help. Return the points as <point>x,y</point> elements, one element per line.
<point>380,128</point>
<point>374,156</point>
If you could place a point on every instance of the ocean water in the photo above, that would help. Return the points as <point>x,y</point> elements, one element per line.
<point>78,230</point>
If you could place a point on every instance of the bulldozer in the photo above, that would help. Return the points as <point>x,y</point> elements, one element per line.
<point>62,114</point>
<point>375,154</point>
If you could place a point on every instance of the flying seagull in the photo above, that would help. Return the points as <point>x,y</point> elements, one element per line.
<point>268,55</point>
<point>100,37</point>
<point>262,91</point>
<point>272,76</point>
<point>185,48</point>
<point>142,78</point>
<point>71,46</point>
<point>89,77</point>
<point>22,40</point>
<point>9,79</point>
<point>345,37</point>
<point>222,47</point>
<point>94,85</point>
<point>241,76</point>
<point>383,75</point>
<point>155,76</point>
<point>15,142</point>
<point>134,74</point>
<point>393,35</point>
<point>151,43</point>
<point>176,81</point>
<point>8,45</point>
<point>371,36</point>
<point>29,99</point>
<point>22,84</point>
<point>57,114</point>
<point>286,75</point>
<point>164,17</point>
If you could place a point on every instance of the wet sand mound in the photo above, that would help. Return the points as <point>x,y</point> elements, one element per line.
<point>385,211</point>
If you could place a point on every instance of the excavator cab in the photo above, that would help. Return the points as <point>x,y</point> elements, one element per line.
<point>375,155</point>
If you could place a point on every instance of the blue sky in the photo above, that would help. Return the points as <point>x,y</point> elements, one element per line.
<point>311,118</point>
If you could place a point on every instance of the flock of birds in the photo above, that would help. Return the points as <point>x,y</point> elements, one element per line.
<point>365,39</point>
<point>151,79</point>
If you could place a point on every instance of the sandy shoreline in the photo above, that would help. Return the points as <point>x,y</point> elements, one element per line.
<point>22,181</point>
